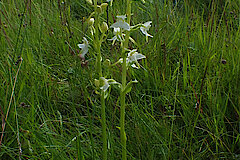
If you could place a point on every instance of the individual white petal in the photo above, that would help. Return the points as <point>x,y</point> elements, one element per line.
<point>149,35</point>
<point>112,81</point>
<point>81,45</point>
<point>121,24</point>
<point>113,39</point>
<point>127,60</point>
<point>147,24</point>
<point>116,30</point>
<point>134,66</point>
<point>121,60</point>
<point>84,51</point>
<point>122,17</point>
<point>144,31</point>
<point>105,87</point>
<point>85,41</point>
<point>131,52</point>
<point>139,56</point>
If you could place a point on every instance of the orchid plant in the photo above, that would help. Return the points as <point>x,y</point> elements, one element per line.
<point>121,30</point>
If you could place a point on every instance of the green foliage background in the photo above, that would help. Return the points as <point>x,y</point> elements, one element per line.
<point>48,98</point>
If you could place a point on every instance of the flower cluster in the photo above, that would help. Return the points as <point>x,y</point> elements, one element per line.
<point>118,30</point>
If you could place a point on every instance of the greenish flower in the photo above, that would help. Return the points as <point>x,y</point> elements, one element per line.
<point>104,27</point>
<point>89,1</point>
<point>90,21</point>
<point>106,83</point>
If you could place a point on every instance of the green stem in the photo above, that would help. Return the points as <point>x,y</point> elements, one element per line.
<point>122,111</point>
<point>99,71</point>
<point>97,41</point>
<point>104,126</point>
<point>122,94</point>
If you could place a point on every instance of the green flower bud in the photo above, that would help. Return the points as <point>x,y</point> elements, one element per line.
<point>104,6</point>
<point>99,9</point>
<point>104,27</point>
<point>97,83</point>
<point>107,62</point>
<point>89,1</point>
<point>90,21</point>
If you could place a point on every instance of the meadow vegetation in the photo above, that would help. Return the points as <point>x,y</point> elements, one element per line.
<point>186,104</point>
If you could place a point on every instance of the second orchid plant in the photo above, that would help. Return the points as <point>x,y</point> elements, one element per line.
<point>121,30</point>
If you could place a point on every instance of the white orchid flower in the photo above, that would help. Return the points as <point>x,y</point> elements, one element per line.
<point>107,83</point>
<point>121,23</point>
<point>146,26</point>
<point>118,35</point>
<point>84,46</point>
<point>133,57</point>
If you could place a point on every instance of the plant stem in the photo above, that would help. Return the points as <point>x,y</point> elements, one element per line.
<point>104,126</point>
<point>122,94</point>
<point>97,41</point>
<point>122,111</point>
<point>99,71</point>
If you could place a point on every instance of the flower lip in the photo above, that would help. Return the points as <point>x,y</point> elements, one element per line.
<point>118,35</point>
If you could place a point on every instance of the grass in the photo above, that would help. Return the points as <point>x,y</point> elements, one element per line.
<point>48,98</point>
